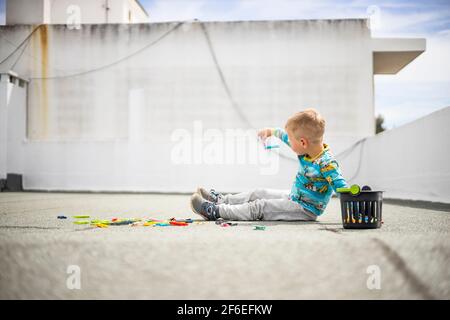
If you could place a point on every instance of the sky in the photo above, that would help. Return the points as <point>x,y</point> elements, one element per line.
<point>419,89</point>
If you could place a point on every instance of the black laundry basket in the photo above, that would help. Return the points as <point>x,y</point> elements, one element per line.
<point>361,210</point>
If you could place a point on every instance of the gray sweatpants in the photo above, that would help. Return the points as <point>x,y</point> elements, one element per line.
<point>263,204</point>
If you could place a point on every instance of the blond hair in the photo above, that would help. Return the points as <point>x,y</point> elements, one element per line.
<point>309,122</point>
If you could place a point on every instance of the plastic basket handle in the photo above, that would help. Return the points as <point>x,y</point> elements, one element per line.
<point>354,189</point>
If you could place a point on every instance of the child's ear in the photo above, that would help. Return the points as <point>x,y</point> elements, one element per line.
<point>303,142</point>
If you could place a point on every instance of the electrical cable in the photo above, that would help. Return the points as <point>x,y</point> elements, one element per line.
<point>21,43</point>
<point>112,63</point>
<point>235,105</point>
<point>23,52</point>
<point>233,102</point>
<point>20,55</point>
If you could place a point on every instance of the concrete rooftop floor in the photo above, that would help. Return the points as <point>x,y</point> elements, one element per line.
<point>289,260</point>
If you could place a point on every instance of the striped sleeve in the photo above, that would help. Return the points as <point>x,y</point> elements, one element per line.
<point>331,172</point>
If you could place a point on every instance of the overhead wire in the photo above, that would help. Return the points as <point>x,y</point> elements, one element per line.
<point>224,82</point>
<point>103,67</point>
<point>243,117</point>
<point>21,43</point>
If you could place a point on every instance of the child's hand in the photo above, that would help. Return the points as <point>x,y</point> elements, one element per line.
<point>264,133</point>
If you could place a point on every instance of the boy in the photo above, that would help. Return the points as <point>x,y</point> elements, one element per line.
<point>317,177</point>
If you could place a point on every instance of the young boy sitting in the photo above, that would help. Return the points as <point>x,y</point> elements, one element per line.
<point>318,175</point>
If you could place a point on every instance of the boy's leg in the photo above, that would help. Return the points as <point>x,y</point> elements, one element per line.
<point>266,209</point>
<point>243,197</point>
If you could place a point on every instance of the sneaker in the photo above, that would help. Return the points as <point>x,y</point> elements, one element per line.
<point>207,209</point>
<point>211,196</point>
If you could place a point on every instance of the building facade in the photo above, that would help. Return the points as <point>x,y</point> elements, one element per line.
<point>169,106</point>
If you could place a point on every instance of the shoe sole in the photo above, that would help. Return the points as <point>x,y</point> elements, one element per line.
<point>195,211</point>
<point>200,193</point>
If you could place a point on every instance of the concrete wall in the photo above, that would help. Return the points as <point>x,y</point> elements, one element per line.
<point>120,127</point>
<point>73,11</point>
<point>409,162</point>
<point>12,125</point>
<point>4,94</point>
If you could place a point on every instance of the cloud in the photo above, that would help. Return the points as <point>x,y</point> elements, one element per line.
<point>165,10</point>
<point>444,33</point>
<point>174,10</point>
<point>396,18</point>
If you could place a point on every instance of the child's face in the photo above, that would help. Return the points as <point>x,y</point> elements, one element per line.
<point>299,145</point>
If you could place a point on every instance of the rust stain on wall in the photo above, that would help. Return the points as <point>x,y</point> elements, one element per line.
<point>34,87</point>
<point>43,37</point>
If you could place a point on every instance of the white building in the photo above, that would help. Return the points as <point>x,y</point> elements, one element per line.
<point>74,11</point>
<point>108,106</point>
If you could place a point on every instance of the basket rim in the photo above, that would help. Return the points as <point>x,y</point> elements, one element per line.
<point>362,192</point>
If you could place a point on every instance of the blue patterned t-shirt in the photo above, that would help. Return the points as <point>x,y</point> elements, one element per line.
<point>316,178</point>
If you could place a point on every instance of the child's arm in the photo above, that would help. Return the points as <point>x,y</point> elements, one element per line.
<point>276,132</point>
<point>281,134</point>
<point>331,172</point>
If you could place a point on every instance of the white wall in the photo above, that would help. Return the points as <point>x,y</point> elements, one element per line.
<point>111,129</point>
<point>409,162</point>
<point>12,125</point>
<point>4,98</point>
<point>65,11</point>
